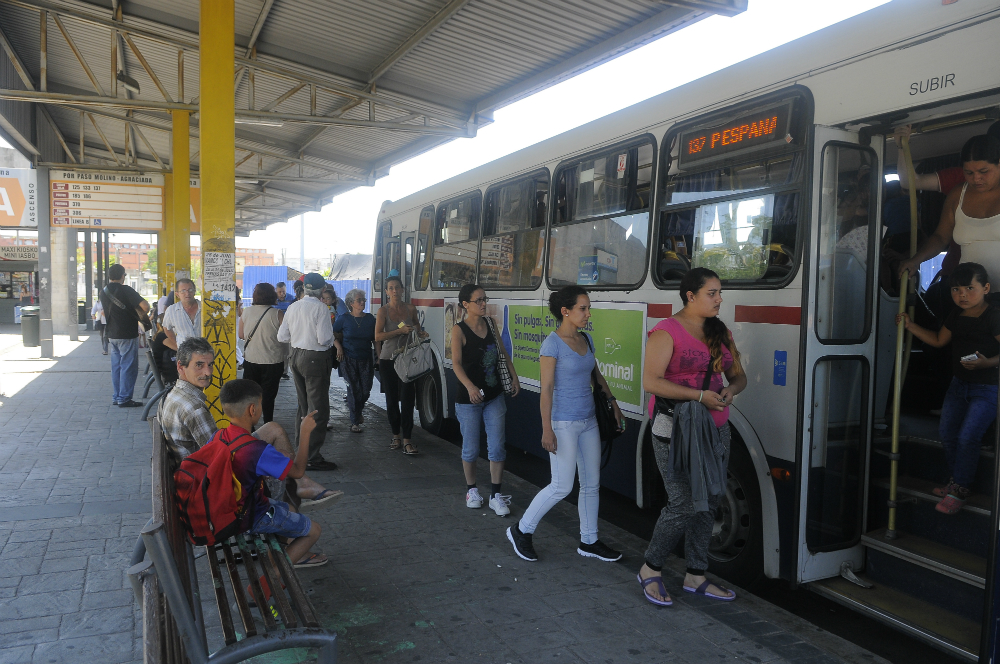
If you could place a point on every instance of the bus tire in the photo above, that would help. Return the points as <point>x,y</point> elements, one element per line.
<point>736,551</point>
<point>429,403</point>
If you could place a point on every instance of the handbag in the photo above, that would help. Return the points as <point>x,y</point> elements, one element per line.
<point>607,423</point>
<point>502,369</point>
<point>414,359</point>
<point>666,406</point>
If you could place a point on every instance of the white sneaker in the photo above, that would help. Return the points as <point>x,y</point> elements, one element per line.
<point>473,499</point>
<point>499,504</point>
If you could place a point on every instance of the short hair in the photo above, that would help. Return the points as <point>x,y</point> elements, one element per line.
<point>966,272</point>
<point>565,297</point>
<point>264,293</point>
<point>394,277</point>
<point>193,346</point>
<point>185,281</point>
<point>237,394</point>
<point>116,272</point>
<point>352,296</point>
<point>280,284</point>
<point>465,295</point>
<point>981,148</point>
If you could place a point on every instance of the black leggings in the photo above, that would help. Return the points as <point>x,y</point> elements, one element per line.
<point>396,391</point>
<point>268,376</point>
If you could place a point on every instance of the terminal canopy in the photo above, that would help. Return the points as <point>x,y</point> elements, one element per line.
<point>329,94</point>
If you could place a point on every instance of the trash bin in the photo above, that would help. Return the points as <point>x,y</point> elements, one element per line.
<point>30,317</point>
<point>81,314</point>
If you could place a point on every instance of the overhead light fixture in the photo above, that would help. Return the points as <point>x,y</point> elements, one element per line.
<point>262,123</point>
<point>239,181</point>
<point>130,83</point>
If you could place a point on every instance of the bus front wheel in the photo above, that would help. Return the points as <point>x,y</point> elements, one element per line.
<point>736,550</point>
<point>429,403</point>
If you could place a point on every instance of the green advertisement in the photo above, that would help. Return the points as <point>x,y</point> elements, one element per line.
<point>618,339</point>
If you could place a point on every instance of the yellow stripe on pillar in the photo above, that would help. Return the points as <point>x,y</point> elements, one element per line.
<point>181,196</point>
<point>218,193</point>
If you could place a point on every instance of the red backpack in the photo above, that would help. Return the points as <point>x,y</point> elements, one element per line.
<point>210,500</point>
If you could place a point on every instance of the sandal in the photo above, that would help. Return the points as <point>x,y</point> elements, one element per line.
<point>325,496</point>
<point>703,590</point>
<point>396,443</point>
<point>312,560</point>
<point>658,580</point>
<point>356,428</point>
<point>410,449</point>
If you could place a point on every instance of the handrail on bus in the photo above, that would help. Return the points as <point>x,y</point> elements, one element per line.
<point>906,288</point>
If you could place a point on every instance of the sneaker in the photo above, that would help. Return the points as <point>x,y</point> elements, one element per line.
<point>522,544</point>
<point>599,550</point>
<point>473,499</point>
<point>499,503</point>
<point>950,504</point>
<point>130,404</point>
<point>943,491</point>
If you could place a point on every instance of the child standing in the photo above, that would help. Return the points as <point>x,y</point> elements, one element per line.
<point>970,405</point>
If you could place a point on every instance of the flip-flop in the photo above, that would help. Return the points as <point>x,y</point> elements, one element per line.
<point>396,443</point>
<point>312,561</point>
<point>658,580</point>
<point>356,428</point>
<point>410,449</point>
<point>703,590</point>
<point>325,496</point>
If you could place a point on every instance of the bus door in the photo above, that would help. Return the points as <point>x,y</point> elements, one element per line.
<point>407,251</point>
<point>392,264</point>
<point>839,346</point>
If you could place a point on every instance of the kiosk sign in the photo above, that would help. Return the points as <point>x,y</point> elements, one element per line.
<point>18,197</point>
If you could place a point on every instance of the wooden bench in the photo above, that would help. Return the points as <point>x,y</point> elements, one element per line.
<point>166,584</point>
<point>155,377</point>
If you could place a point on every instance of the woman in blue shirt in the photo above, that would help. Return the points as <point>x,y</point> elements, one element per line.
<point>354,353</point>
<point>569,426</point>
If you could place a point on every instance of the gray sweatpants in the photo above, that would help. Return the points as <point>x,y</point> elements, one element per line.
<point>678,517</point>
<point>311,375</point>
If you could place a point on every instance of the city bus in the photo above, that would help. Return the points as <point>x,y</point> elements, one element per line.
<point>779,173</point>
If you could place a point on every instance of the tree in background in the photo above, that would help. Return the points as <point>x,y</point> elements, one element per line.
<point>150,264</point>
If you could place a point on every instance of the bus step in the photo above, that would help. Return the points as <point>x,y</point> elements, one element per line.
<point>951,562</point>
<point>941,629</point>
<point>921,489</point>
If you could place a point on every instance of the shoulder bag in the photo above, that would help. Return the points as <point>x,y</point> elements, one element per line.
<point>414,359</point>
<point>246,342</point>
<point>502,369</point>
<point>607,423</point>
<point>141,317</point>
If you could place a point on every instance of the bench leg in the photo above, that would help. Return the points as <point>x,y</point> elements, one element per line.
<point>148,386</point>
<point>152,402</point>
<point>301,637</point>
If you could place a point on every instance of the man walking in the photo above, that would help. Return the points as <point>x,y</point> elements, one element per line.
<point>306,327</point>
<point>122,307</point>
<point>182,318</point>
<point>284,299</point>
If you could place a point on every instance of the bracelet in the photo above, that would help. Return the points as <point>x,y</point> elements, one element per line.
<point>612,398</point>
<point>701,395</point>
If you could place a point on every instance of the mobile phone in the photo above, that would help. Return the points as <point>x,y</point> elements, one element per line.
<point>481,393</point>
<point>969,358</point>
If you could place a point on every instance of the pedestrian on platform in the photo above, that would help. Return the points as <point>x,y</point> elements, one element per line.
<point>569,426</point>
<point>182,319</point>
<point>100,323</point>
<point>476,356</point>
<point>284,298</point>
<point>264,359</point>
<point>393,324</point>
<point>123,310</point>
<point>307,328</point>
<point>354,352</point>
<point>686,356</point>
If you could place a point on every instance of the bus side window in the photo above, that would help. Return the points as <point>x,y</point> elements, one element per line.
<point>423,274</point>
<point>456,242</point>
<point>380,235</point>
<point>513,228</point>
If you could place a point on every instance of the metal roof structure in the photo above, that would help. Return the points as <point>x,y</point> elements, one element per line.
<point>329,94</point>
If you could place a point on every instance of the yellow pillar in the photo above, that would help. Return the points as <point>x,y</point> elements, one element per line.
<point>181,197</point>
<point>218,193</point>
<point>165,248</point>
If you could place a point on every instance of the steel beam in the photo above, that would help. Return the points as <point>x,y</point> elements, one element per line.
<point>422,32</point>
<point>265,116</point>
<point>93,100</point>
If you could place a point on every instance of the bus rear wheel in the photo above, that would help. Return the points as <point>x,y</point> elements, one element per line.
<point>429,403</point>
<point>736,550</point>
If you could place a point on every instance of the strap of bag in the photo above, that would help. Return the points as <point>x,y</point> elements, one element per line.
<point>708,374</point>
<point>121,305</point>
<point>259,321</point>
<point>593,374</point>
<point>496,337</point>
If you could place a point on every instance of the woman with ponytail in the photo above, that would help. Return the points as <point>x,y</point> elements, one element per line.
<point>686,356</point>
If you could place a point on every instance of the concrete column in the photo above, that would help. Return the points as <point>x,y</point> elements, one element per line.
<point>88,278</point>
<point>59,242</point>
<point>44,264</point>
<point>218,193</point>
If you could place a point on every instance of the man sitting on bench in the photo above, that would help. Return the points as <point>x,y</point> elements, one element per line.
<point>187,424</point>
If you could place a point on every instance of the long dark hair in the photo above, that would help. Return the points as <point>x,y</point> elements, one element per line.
<point>716,333</point>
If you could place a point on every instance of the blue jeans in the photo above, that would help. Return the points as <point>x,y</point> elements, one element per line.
<point>578,446</point>
<point>124,367</point>
<point>967,412</point>
<point>281,521</point>
<point>492,413</point>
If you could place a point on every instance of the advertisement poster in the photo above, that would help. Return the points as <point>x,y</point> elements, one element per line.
<point>18,197</point>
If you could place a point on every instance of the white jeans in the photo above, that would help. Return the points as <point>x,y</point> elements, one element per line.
<point>578,445</point>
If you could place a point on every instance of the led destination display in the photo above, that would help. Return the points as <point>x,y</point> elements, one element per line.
<point>756,130</point>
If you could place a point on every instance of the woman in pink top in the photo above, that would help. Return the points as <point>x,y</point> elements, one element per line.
<point>679,352</point>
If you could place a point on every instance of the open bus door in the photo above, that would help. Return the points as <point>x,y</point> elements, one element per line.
<point>839,348</point>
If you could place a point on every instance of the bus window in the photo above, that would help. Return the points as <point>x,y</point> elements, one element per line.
<point>456,240</point>
<point>423,274</point>
<point>380,235</point>
<point>408,260</point>
<point>513,230</point>
<point>601,225</point>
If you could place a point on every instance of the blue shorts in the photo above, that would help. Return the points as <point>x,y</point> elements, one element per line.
<point>280,520</point>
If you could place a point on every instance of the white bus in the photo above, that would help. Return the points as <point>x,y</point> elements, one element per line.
<point>759,172</point>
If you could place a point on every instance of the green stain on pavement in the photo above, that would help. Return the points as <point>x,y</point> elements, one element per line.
<point>293,656</point>
<point>358,616</point>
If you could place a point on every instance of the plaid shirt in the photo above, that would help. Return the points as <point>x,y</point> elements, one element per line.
<point>185,419</point>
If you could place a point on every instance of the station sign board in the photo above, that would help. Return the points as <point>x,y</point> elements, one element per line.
<point>119,201</point>
<point>18,252</point>
<point>19,197</point>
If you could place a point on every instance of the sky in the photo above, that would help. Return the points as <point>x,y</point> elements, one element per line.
<point>347,225</point>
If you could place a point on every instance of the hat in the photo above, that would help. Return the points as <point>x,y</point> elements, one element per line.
<point>314,280</point>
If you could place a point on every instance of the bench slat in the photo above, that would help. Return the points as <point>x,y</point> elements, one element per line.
<point>295,591</point>
<point>239,592</point>
<point>258,594</point>
<point>267,562</point>
<point>152,637</point>
<point>225,617</point>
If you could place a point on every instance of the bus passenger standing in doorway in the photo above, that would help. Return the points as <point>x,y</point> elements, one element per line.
<point>679,352</point>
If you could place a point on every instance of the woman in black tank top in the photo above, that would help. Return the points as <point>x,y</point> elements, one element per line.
<point>476,355</point>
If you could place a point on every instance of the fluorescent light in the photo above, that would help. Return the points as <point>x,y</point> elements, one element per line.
<point>130,83</point>
<point>262,123</point>
<point>239,181</point>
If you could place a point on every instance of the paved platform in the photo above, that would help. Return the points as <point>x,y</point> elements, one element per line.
<point>414,576</point>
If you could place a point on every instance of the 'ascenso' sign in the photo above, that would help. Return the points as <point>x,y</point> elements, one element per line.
<point>759,129</point>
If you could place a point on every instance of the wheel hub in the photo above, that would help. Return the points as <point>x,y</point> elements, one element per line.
<point>731,531</point>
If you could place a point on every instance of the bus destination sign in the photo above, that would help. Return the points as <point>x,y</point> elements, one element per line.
<point>759,129</point>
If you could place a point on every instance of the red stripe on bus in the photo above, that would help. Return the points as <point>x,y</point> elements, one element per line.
<point>659,310</point>
<point>376,300</point>
<point>770,315</point>
<point>427,303</point>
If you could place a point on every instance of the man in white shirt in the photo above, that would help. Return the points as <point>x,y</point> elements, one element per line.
<point>307,329</point>
<point>182,318</point>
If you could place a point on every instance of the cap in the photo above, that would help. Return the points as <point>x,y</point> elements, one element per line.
<point>314,280</point>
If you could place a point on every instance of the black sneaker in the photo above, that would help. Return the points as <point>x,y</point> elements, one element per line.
<point>599,550</point>
<point>522,544</point>
<point>130,404</point>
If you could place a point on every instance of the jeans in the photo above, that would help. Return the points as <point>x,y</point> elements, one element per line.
<point>493,414</point>
<point>396,391</point>
<point>124,367</point>
<point>578,446</point>
<point>268,376</point>
<point>311,375</point>
<point>281,521</point>
<point>967,412</point>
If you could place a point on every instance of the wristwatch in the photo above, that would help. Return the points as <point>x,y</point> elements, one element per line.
<point>612,398</point>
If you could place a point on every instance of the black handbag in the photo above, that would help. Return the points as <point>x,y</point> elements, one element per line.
<point>607,423</point>
<point>666,406</point>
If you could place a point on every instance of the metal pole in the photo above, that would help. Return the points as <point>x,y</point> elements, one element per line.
<point>88,278</point>
<point>302,243</point>
<point>44,266</point>
<point>99,267</point>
